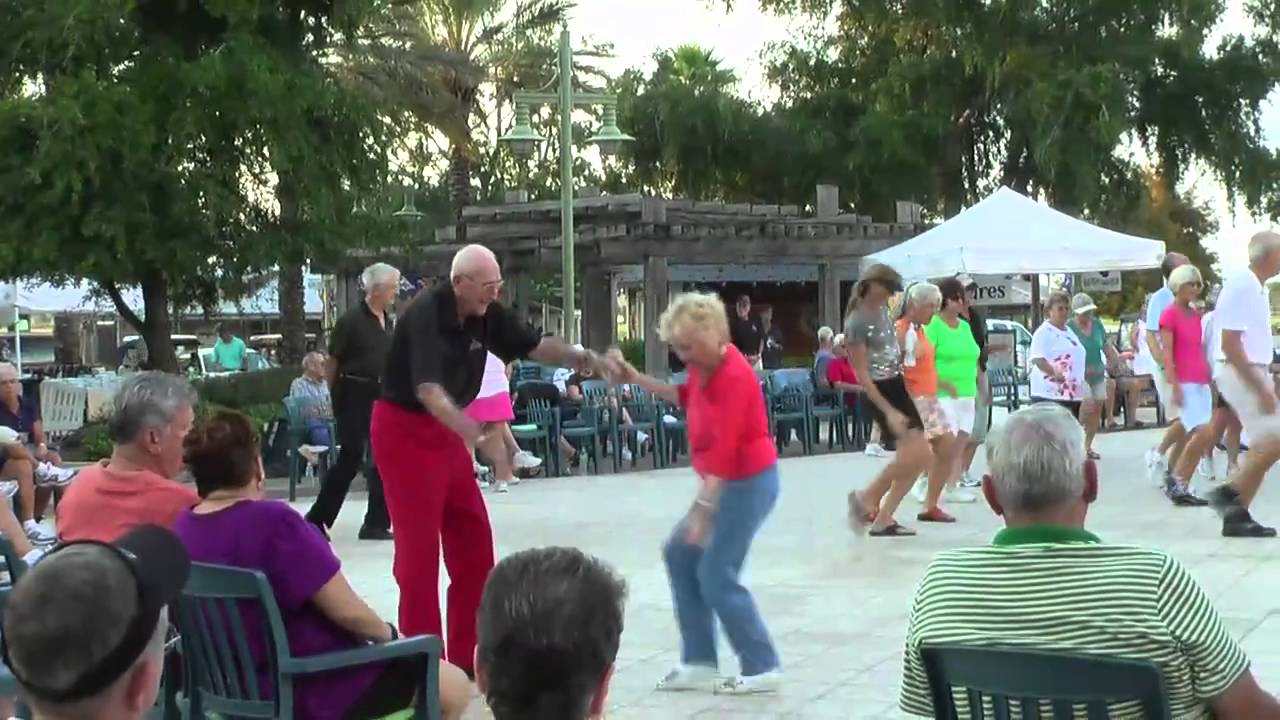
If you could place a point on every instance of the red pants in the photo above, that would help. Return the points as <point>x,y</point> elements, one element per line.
<point>435,503</point>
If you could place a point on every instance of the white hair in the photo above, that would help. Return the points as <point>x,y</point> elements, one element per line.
<point>1036,459</point>
<point>1261,244</point>
<point>924,293</point>
<point>1182,275</point>
<point>838,339</point>
<point>312,357</point>
<point>8,368</point>
<point>379,274</point>
<point>469,259</point>
<point>825,333</point>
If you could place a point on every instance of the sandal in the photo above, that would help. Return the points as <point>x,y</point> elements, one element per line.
<point>1094,456</point>
<point>894,530</point>
<point>935,514</point>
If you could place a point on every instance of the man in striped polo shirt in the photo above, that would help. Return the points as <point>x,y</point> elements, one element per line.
<point>1049,584</point>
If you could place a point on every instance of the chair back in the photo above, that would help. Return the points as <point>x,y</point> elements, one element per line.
<point>530,390</point>
<point>801,378</point>
<point>539,412</point>
<point>680,378</point>
<point>641,404</point>
<point>62,408</point>
<point>219,609</point>
<point>525,370</point>
<point>595,390</point>
<point>1003,682</point>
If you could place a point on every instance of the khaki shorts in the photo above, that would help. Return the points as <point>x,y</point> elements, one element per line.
<point>1165,392</point>
<point>1257,424</point>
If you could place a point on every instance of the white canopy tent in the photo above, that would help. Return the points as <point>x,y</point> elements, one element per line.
<point>1009,233</point>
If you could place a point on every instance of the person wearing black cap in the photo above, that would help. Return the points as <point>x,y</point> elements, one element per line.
<point>106,663</point>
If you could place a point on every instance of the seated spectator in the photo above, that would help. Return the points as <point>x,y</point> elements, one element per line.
<point>1046,583</point>
<point>30,469</point>
<point>234,525</point>
<point>574,398</point>
<point>824,355</point>
<point>85,631</point>
<point>317,409</point>
<point>840,374</point>
<point>151,414</point>
<point>548,630</point>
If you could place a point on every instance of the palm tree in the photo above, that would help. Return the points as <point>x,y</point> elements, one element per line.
<point>505,40</point>
<point>698,67</point>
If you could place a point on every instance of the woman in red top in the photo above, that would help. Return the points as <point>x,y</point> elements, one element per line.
<point>840,374</point>
<point>735,459</point>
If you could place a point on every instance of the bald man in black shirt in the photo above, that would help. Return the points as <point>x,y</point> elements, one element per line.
<point>420,435</point>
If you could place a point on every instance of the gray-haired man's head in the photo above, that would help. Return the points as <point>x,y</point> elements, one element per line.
<point>151,415</point>
<point>548,631</point>
<point>1038,469</point>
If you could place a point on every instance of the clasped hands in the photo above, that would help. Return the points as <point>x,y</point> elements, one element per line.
<point>612,366</point>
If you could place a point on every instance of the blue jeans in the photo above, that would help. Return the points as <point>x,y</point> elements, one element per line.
<point>704,581</point>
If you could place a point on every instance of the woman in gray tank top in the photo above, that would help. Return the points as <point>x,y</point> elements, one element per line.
<point>876,356</point>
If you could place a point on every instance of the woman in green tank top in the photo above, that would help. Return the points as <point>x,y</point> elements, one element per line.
<point>1097,353</point>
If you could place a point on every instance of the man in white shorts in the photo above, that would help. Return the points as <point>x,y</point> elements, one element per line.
<point>1242,371</point>
<point>1165,455</point>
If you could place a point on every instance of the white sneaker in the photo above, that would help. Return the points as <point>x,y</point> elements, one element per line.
<point>502,486</point>
<point>480,469</point>
<point>670,420</point>
<point>1206,470</point>
<point>766,682</point>
<point>50,475</point>
<point>33,557</point>
<point>969,481</point>
<point>875,450</point>
<point>525,460</point>
<point>8,488</point>
<point>959,495</point>
<point>38,533</point>
<point>1156,467</point>
<point>641,437</point>
<point>684,678</point>
<point>626,454</point>
<point>920,490</point>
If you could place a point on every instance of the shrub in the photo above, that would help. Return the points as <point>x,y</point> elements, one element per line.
<point>242,390</point>
<point>633,351</point>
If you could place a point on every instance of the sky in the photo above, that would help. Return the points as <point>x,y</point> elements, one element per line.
<point>638,28</point>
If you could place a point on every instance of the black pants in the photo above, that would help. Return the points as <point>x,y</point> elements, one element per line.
<point>352,408</point>
<point>391,692</point>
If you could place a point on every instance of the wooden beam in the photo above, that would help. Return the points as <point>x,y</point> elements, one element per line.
<point>656,291</point>
<point>598,318</point>
<point>829,295</point>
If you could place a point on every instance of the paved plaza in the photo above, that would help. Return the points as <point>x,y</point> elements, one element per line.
<point>837,606</point>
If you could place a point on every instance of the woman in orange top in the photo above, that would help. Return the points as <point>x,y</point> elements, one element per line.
<point>735,459</point>
<point>921,374</point>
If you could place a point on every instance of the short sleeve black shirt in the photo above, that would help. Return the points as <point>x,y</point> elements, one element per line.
<point>978,326</point>
<point>430,345</point>
<point>746,334</point>
<point>359,343</point>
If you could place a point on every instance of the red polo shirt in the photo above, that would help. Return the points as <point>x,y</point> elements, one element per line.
<point>728,428</point>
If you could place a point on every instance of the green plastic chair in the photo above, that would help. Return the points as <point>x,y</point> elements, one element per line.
<point>537,428</point>
<point>295,414</point>
<point>584,432</point>
<point>1030,682</point>
<point>646,417</point>
<point>221,673</point>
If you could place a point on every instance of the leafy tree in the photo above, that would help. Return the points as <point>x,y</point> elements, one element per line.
<point>1048,98</point>
<point>179,148</point>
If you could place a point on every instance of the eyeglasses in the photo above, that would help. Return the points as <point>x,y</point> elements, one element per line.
<point>489,285</point>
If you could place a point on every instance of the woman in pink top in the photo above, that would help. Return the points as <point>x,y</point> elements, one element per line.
<point>1181,337</point>
<point>492,409</point>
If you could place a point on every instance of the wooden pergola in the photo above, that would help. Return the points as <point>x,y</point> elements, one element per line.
<point>654,238</point>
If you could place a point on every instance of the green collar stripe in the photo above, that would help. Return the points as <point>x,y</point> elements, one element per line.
<point>1042,534</point>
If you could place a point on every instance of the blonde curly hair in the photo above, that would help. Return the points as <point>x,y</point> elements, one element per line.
<point>694,310</point>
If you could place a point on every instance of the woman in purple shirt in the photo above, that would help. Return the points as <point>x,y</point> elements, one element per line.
<point>233,525</point>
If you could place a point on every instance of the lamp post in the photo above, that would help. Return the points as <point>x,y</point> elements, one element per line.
<point>523,141</point>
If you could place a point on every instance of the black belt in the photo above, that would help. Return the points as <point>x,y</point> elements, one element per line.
<point>359,378</point>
